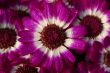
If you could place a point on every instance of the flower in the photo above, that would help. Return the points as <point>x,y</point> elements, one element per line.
<point>9,37</point>
<point>53,35</point>
<point>99,57</point>
<point>94,15</point>
<point>12,37</point>
<point>20,65</point>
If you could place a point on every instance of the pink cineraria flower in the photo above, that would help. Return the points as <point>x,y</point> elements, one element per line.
<point>53,35</point>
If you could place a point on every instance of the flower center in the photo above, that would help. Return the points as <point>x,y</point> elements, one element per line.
<point>107,58</point>
<point>26,69</point>
<point>53,36</point>
<point>93,24</point>
<point>7,38</point>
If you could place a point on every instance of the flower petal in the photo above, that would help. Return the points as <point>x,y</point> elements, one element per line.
<point>58,63</point>
<point>107,41</point>
<point>26,48</point>
<point>76,32</point>
<point>38,57</point>
<point>77,44</point>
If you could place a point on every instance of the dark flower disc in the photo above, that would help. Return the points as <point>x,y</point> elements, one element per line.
<point>26,69</point>
<point>7,38</point>
<point>53,36</point>
<point>93,25</point>
<point>107,59</point>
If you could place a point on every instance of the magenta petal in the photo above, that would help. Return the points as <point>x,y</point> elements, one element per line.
<point>1,61</point>
<point>26,48</point>
<point>36,11</point>
<point>25,37</point>
<point>107,41</point>
<point>48,64</point>
<point>49,9</point>
<point>25,34</point>
<point>98,46</point>
<point>25,40</point>
<point>94,52</point>
<point>68,56</point>
<point>38,57</point>
<point>28,23</point>
<point>64,13</point>
<point>78,45</point>
<point>2,72</point>
<point>67,70</point>
<point>97,69</point>
<point>58,63</point>
<point>78,31</point>
<point>19,25</point>
<point>13,55</point>
<point>5,64</point>
<point>82,67</point>
<point>44,70</point>
<point>94,55</point>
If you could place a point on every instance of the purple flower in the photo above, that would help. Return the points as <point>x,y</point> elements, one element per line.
<point>12,37</point>
<point>99,57</point>
<point>20,65</point>
<point>94,15</point>
<point>53,35</point>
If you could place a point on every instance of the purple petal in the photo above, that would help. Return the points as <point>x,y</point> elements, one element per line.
<point>97,69</point>
<point>19,25</point>
<point>78,31</point>
<point>49,10</point>
<point>82,67</point>
<point>26,48</point>
<point>94,55</point>
<point>68,56</point>
<point>13,55</point>
<point>97,46</point>
<point>28,23</point>
<point>67,70</point>
<point>48,63</point>
<point>25,36</point>
<point>36,11</point>
<point>5,64</point>
<point>78,45</point>
<point>58,63</point>
<point>37,58</point>
<point>64,13</point>
<point>25,33</point>
<point>107,41</point>
<point>24,40</point>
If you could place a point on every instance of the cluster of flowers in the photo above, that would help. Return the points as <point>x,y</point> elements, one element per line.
<point>54,36</point>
